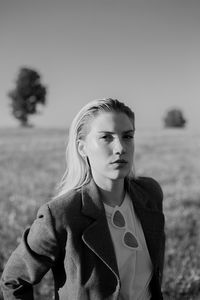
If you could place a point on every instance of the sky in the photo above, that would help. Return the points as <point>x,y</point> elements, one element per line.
<point>144,52</point>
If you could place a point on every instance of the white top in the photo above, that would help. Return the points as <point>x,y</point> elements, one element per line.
<point>135,267</point>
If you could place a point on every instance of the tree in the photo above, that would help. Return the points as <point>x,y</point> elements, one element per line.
<point>28,93</point>
<point>174,118</point>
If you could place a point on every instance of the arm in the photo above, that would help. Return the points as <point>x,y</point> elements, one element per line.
<point>159,198</point>
<point>162,259</point>
<point>35,255</point>
<point>156,190</point>
<point>159,202</point>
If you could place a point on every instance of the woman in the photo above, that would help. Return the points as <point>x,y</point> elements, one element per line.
<point>103,235</point>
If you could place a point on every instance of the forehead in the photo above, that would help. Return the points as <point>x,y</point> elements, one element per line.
<point>111,121</point>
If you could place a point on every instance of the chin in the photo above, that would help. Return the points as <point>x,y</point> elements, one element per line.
<point>120,175</point>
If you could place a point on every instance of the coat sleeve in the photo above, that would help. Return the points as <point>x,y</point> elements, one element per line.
<point>35,255</point>
<point>159,196</point>
<point>157,191</point>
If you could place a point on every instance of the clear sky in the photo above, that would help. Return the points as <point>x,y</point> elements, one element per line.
<point>144,52</point>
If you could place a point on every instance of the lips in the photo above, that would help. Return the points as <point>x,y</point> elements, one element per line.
<point>119,161</point>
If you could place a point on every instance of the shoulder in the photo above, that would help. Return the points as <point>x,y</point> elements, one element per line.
<point>58,216</point>
<point>150,185</point>
<point>63,208</point>
<point>149,189</point>
<point>70,200</point>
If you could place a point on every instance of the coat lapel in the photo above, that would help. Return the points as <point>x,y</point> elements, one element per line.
<point>152,222</point>
<point>97,236</point>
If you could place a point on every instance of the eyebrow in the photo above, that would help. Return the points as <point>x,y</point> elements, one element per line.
<point>124,132</point>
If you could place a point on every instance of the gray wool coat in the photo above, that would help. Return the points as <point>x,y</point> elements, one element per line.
<point>71,236</point>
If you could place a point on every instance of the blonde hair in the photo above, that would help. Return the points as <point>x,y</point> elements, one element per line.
<point>77,168</point>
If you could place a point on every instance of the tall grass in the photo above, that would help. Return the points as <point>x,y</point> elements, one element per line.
<point>32,162</point>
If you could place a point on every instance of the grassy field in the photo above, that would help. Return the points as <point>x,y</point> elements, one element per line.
<point>32,161</point>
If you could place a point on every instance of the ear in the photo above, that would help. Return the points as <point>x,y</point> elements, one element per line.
<point>82,148</point>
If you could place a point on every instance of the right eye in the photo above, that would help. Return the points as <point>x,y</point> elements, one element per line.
<point>107,137</point>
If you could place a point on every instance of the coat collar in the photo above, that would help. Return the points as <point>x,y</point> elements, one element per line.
<point>92,205</point>
<point>97,236</point>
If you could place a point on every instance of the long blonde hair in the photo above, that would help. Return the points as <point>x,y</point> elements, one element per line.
<point>77,168</point>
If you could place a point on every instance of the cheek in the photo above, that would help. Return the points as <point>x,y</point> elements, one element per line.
<point>131,148</point>
<point>97,152</point>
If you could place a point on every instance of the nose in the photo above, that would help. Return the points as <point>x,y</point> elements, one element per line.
<point>119,147</point>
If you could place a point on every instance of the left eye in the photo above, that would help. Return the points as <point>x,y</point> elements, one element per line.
<point>128,137</point>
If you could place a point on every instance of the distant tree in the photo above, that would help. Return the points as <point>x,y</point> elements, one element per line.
<point>28,93</point>
<point>174,118</point>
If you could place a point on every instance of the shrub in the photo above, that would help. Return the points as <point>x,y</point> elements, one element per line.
<point>174,118</point>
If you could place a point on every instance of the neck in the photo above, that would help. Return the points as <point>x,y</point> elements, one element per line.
<point>112,191</point>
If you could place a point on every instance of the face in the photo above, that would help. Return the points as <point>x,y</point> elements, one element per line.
<point>109,146</point>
